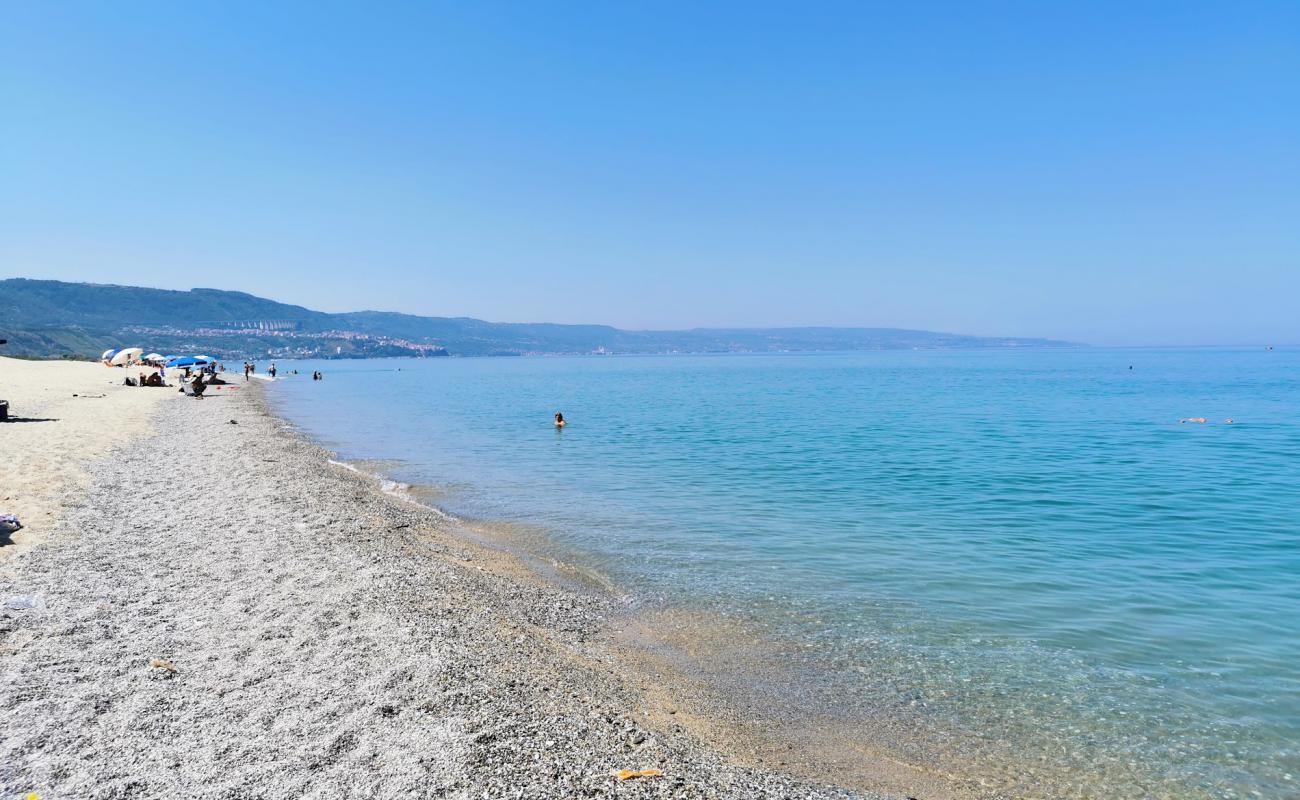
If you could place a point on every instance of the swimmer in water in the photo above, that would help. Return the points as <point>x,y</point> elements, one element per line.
<point>559,420</point>
<point>1199,420</point>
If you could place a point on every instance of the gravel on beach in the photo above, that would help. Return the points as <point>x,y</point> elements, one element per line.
<point>224,614</point>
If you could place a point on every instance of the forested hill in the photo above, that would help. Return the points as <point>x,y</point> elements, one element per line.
<point>52,318</point>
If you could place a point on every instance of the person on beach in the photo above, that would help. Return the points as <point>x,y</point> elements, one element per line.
<point>197,386</point>
<point>271,371</point>
<point>559,420</point>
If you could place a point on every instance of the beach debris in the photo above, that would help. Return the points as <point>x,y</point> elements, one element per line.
<point>162,663</point>
<point>24,602</point>
<point>233,422</point>
<point>632,774</point>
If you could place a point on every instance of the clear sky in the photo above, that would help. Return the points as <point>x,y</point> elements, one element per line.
<point>1116,173</point>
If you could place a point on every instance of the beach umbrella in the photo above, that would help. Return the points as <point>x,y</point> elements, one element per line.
<point>151,357</point>
<point>187,361</point>
<point>123,356</point>
<point>108,355</point>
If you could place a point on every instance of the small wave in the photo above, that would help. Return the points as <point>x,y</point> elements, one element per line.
<point>392,488</point>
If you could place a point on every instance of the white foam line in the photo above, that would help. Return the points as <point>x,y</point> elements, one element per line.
<point>394,488</point>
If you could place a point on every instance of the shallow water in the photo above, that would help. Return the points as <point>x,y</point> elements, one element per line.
<point>1025,551</point>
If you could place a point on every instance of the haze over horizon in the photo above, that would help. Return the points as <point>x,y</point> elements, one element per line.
<point>1015,170</point>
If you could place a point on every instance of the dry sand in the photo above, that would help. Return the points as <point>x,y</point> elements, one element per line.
<point>241,619</point>
<point>64,415</point>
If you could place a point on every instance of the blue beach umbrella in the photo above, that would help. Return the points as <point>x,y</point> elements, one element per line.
<point>187,361</point>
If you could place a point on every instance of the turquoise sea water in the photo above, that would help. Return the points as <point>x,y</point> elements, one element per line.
<point>1023,551</point>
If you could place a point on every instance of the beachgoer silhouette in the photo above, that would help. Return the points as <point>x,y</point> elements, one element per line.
<point>559,420</point>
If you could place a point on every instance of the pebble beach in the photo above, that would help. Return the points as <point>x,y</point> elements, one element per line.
<point>209,607</point>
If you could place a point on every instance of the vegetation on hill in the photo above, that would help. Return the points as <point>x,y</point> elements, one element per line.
<point>53,318</point>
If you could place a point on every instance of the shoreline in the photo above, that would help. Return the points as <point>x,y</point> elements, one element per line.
<point>647,662</point>
<point>692,662</point>
<point>315,635</point>
<point>753,693</point>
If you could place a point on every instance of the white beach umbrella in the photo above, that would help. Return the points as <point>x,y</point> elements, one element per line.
<point>124,356</point>
<point>152,357</point>
<point>108,355</point>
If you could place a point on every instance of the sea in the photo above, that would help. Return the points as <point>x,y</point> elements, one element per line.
<point>1023,563</point>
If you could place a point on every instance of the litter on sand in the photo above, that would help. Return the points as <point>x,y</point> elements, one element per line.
<point>24,603</point>
<point>162,664</point>
<point>629,774</point>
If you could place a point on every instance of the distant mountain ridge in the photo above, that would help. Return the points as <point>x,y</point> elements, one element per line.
<point>52,318</point>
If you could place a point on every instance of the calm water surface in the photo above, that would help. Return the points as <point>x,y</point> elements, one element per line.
<point>1023,549</point>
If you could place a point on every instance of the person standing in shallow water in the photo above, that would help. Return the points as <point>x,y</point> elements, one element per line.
<point>559,420</point>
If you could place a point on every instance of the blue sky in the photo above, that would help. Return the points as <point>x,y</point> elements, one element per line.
<point>1116,173</point>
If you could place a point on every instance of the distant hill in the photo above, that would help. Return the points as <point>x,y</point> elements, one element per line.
<point>53,318</point>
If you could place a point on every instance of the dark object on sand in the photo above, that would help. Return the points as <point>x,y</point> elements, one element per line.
<point>4,410</point>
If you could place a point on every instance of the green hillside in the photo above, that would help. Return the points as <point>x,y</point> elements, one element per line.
<point>53,318</point>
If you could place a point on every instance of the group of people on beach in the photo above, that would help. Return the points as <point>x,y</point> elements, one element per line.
<point>250,368</point>
<point>201,378</point>
<point>151,379</point>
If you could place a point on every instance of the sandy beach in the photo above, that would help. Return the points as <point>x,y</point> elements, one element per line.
<point>202,605</point>
<point>64,416</point>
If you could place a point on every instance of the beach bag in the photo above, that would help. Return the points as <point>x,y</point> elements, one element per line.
<point>9,523</point>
